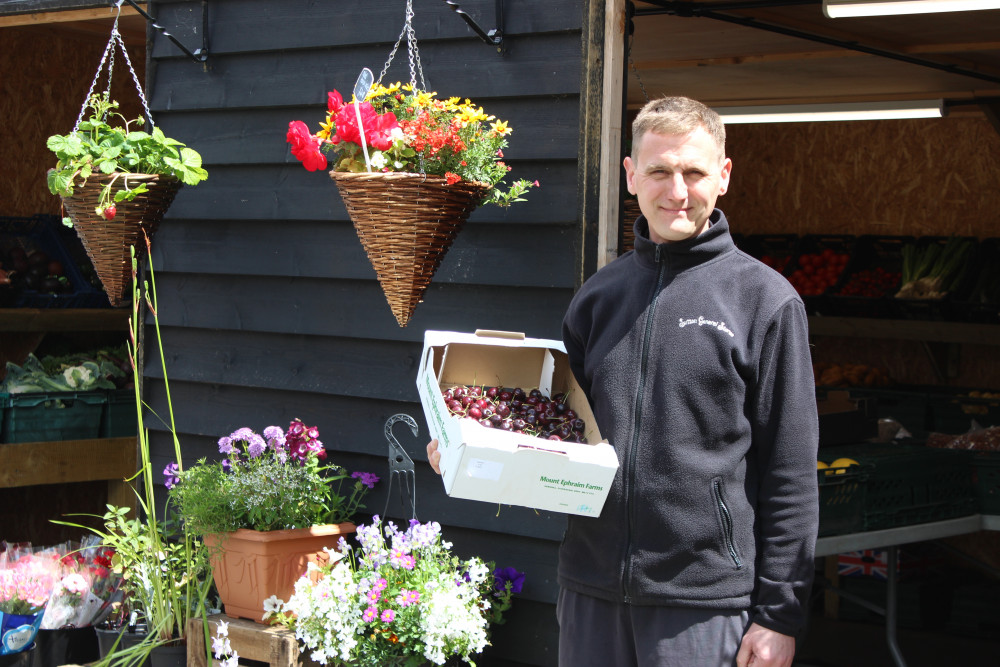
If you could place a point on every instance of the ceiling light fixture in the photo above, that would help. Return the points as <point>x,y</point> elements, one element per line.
<point>811,113</point>
<point>836,9</point>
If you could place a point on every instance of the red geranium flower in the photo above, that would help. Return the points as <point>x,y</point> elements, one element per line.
<point>305,146</point>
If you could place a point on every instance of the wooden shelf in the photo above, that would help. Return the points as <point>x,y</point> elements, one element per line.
<point>67,461</point>
<point>920,330</point>
<point>63,319</point>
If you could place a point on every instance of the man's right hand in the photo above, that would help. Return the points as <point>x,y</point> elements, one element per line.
<point>434,456</point>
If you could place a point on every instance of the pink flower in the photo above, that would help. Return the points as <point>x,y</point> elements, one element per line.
<point>305,147</point>
<point>370,614</point>
<point>388,616</point>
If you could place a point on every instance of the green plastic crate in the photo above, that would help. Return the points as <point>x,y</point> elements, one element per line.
<point>47,416</point>
<point>905,484</point>
<point>986,477</point>
<point>119,419</point>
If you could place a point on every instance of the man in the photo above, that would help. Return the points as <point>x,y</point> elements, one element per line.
<point>695,358</point>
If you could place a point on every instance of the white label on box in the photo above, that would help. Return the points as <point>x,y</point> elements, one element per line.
<point>483,469</point>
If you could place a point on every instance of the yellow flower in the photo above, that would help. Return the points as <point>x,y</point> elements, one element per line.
<point>327,128</point>
<point>500,127</point>
<point>468,115</point>
<point>425,99</point>
<point>378,90</point>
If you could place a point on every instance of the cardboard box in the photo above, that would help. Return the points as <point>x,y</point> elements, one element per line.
<point>843,420</point>
<point>492,465</point>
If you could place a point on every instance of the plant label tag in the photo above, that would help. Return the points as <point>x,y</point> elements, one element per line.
<point>363,85</point>
<point>361,88</point>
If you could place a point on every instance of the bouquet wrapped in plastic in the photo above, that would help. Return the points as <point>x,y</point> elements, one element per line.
<point>85,584</point>
<point>26,582</point>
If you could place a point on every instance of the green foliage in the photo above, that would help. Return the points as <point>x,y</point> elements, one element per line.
<point>265,488</point>
<point>70,374</point>
<point>97,147</point>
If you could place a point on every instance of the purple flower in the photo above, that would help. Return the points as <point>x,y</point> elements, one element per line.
<point>368,479</point>
<point>226,465</point>
<point>255,446</point>
<point>503,575</point>
<point>170,475</point>
<point>226,445</point>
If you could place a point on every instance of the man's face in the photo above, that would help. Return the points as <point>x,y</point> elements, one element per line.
<point>677,178</point>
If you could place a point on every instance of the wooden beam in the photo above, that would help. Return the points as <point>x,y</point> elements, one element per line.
<point>59,462</point>
<point>611,131</point>
<point>44,18</point>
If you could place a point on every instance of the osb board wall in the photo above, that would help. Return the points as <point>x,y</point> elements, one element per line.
<point>918,177</point>
<point>45,72</point>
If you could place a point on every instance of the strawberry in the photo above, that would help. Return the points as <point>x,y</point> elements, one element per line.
<point>109,212</point>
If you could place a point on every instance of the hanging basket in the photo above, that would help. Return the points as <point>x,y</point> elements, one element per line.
<point>108,241</point>
<point>406,223</point>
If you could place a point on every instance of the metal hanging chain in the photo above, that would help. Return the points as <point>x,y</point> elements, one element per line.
<point>411,48</point>
<point>628,49</point>
<point>109,58</point>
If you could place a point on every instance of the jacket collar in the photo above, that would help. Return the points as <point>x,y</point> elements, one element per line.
<point>713,242</point>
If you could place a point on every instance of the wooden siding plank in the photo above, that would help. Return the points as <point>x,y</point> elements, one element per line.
<point>263,25</point>
<point>481,253</point>
<point>549,66</point>
<point>545,128</point>
<point>289,192</point>
<point>353,308</point>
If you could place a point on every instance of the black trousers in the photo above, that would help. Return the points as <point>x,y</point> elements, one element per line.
<point>598,633</point>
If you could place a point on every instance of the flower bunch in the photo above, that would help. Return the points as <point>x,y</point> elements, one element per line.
<point>409,130</point>
<point>26,581</point>
<point>266,482</point>
<point>401,598</point>
<point>222,648</point>
<point>85,584</point>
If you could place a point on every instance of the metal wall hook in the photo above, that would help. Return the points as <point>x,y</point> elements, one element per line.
<point>198,55</point>
<point>493,37</point>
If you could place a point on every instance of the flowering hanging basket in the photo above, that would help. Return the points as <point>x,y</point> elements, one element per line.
<point>406,223</point>
<point>108,242</point>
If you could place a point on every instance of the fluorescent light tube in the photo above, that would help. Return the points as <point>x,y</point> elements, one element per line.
<point>836,9</point>
<point>811,113</point>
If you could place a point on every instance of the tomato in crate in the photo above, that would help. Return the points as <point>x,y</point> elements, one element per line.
<point>821,261</point>
<point>774,250</point>
<point>871,279</point>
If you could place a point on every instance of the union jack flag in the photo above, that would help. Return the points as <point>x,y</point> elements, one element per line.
<point>870,563</point>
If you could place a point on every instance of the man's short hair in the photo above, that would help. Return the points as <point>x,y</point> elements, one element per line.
<point>677,115</point>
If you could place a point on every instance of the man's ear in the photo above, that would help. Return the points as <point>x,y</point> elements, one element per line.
<point>629,173</point>
<point>727,169</point>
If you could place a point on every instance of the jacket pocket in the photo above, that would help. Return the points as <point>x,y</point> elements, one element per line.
<point>725,522</point>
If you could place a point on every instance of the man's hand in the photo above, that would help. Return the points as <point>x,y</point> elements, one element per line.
<point>434,456</point>
<point>764,648</point>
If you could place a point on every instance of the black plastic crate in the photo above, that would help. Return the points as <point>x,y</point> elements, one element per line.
<point>905,484</point>
<point>39,233</point>
<point>986,480</point>
<point>819,262</point>
<point>909,406</point>
<point>841,499</point>
<point>871,279</point>
<point>957,411</point>
<point>939,308</point>
<point>775,250</point>
<point>982,301</point>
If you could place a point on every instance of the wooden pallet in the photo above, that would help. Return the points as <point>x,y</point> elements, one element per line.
<point>272,645</point>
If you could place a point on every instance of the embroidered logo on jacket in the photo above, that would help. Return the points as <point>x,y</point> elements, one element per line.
<point>702,322</point>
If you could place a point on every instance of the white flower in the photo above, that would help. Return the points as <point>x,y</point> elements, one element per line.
<point>378,160</point>
<point>272,605</point>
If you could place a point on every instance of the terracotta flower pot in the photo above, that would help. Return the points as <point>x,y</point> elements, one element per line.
<point>249,566</point>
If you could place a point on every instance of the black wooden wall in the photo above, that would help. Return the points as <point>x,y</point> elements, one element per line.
<point>268,307</point>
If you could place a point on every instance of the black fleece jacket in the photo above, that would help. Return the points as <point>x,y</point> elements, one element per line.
<point>696,360</point>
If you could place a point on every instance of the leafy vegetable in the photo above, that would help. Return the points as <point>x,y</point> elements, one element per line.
<point>80,372</point>
<point>933,270</point>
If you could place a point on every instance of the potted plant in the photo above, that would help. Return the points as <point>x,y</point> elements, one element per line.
<point>410,169</point>
<point>402,598</point>
<point>266,511</point>
<point>116,181</point>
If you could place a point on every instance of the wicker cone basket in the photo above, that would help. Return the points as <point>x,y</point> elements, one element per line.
<point>406,223</point>
<point>107,241</point>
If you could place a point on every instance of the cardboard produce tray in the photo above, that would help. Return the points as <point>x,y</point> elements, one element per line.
<point>500,466</point>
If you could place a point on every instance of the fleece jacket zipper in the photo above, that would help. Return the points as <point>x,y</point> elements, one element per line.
<point>661,262</point>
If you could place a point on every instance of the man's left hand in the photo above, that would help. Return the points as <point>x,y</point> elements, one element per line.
<point>765,648</point>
